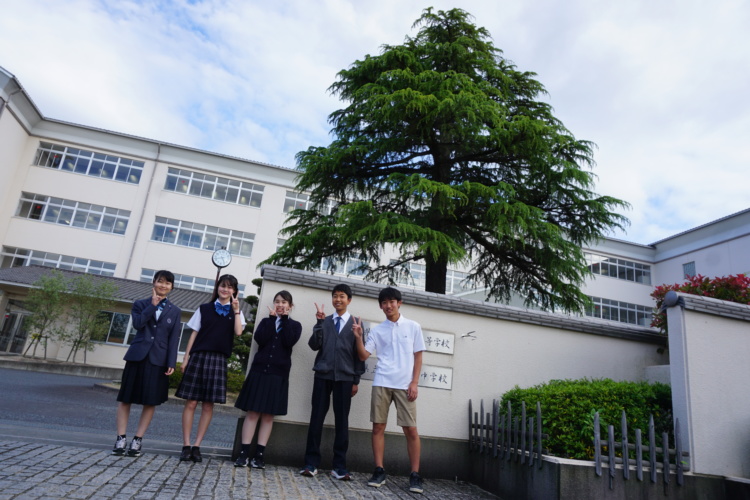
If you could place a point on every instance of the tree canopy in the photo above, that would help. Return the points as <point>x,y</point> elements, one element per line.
<point>446,155</point>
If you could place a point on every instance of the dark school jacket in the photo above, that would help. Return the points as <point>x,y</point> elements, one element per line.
<point>157,339</point>
<point>274,354</point>
<point>337,354</point>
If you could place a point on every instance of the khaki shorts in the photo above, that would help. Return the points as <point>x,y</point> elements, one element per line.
<point>380,402</point>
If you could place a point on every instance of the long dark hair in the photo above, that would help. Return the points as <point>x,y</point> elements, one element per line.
<point>229,280</point>
<point>286,296</point>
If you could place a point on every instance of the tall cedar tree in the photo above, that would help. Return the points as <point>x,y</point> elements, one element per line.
<point>446,156</point>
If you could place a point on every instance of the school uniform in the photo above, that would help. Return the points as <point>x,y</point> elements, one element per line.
<point>205,377</point>
<point>266,388</point>
<point>152,352</point>
<point>337,368</point>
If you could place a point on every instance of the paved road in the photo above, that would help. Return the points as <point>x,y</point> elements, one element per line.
<point>56,432</point>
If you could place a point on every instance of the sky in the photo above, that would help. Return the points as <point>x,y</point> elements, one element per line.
<point>661,87</point>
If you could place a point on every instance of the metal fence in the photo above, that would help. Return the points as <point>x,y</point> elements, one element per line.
<point>655,458</point>
<point>505,436</point>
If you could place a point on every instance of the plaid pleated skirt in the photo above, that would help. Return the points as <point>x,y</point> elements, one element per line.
<point>264,393</point>
<point>205,378</point>
<point>143,383</point>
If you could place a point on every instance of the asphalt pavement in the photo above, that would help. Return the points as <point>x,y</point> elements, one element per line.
<point>56,433</point>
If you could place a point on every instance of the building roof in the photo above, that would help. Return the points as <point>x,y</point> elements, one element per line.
<point>127,290</point>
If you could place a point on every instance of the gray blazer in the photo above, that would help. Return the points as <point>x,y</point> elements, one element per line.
<point>159,339</point>
<point>337,353</point>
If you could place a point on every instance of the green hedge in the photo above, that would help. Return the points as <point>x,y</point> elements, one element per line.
<point>568,408</point>
<point>235,379</point>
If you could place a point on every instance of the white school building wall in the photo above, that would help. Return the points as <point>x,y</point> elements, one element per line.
<point>509,346</point>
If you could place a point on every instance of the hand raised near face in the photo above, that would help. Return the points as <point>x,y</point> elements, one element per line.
<point>357,329</point>
<point>319,311</point>
<point>235,304</point>
<point>271,311</point>
<point>155,297</point>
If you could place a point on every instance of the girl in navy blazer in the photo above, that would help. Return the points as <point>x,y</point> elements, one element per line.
<point>214,326</point>
<point>266,389</point>
<point>150,359</point>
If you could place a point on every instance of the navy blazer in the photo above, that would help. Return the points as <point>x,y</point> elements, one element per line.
<point>159,339</point>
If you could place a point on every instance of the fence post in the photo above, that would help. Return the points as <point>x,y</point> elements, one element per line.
<point>481,426</point>
<point>678,451</point>
<point>523,432</point>
<point>638,455</point>
<point>495,410</point>
<point>539,433</point>
<point>652,448</point>
<point>508,431</point>
<point>625,450</point>
<point>471,429</point>
<point>665,456</point>
<point>611,451</point>
<point>597,445</point>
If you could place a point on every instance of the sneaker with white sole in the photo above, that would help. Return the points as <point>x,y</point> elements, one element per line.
<point>121,444</point>
<point>378,478</point>
<point>135,447</point>
<point>415,483</point>
<point>309,471</point>
<point>341,474</point>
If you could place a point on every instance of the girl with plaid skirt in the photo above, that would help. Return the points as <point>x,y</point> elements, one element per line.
<point>205,363</point>
<point>266,389</point>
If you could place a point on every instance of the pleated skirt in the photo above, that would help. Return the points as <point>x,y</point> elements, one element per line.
<point>205,378</point>
<point>264,393</point>
<point>143,383</point>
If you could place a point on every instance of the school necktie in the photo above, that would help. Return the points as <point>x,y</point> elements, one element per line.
<point>338,324</point>
<point>278,325</point>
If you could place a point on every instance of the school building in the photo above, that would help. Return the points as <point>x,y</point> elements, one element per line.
<point>83,199</point>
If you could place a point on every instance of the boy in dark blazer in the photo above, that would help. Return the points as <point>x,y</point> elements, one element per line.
<point>150,359</point>
<point>337,371</point>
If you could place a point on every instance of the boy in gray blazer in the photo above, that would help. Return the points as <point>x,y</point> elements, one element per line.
<point>337,371</point>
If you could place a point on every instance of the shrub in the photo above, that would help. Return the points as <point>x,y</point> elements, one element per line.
<point>731,288</point>
<point>568,408</point>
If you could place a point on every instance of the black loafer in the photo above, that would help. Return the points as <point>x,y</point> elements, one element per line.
<point>195,454</point>
<point>185,455</point>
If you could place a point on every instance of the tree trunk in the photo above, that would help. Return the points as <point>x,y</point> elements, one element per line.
<point>435,273</point>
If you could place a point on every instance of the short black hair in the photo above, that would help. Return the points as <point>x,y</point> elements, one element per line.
<point>167,275</point>
<point>343,287</point>
<point>389,293</point>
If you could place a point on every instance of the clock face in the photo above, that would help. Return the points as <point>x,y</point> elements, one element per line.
<point>221,258</point>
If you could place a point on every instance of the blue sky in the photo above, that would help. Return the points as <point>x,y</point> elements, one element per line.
<point>660,87</point>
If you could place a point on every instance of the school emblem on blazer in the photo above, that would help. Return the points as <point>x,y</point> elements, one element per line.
<point>169,320</point>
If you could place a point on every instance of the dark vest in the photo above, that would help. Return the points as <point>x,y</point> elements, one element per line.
<point>216,333</point>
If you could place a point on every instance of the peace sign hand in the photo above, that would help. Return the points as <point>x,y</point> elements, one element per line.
<point>272,312</point>
<point>357,329</point>
<point>319,313</point>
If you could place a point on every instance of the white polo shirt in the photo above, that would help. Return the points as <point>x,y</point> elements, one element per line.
<point>394,343</point>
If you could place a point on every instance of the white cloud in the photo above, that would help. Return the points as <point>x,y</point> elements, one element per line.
<point>658,86</point>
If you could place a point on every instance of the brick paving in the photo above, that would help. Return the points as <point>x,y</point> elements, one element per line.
<point>37,470</point>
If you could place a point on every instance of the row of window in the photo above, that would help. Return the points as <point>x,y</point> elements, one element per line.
<point>188,282</point>
<point>194,235</point>
<point>16,257</point>
<point>618,268</point>
<point>213,187</point>
<point>85,162</point>
<point>624,312</point>
<point>72,213</point>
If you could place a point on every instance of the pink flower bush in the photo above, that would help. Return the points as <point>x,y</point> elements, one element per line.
<point>733,288</point>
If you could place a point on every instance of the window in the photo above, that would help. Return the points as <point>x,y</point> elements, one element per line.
<point>347,267</point>
<point>16,257</point>
<point>280,243</point>
<point>688,270</point>
<point>300,200</point>
<point>618,268</point>
<point>623,312</point>
<point>72,213</point>
<point>81,161</point>
<point>213,187</point>
<point>190,234</point>
<point>188,282</point>
<point>121,330</point>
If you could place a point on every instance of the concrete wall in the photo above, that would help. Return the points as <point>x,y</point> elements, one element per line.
<point>709,344</point>
<point>509,347</point>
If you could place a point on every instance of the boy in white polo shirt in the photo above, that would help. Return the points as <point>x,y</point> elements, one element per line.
<point>398,343</point>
